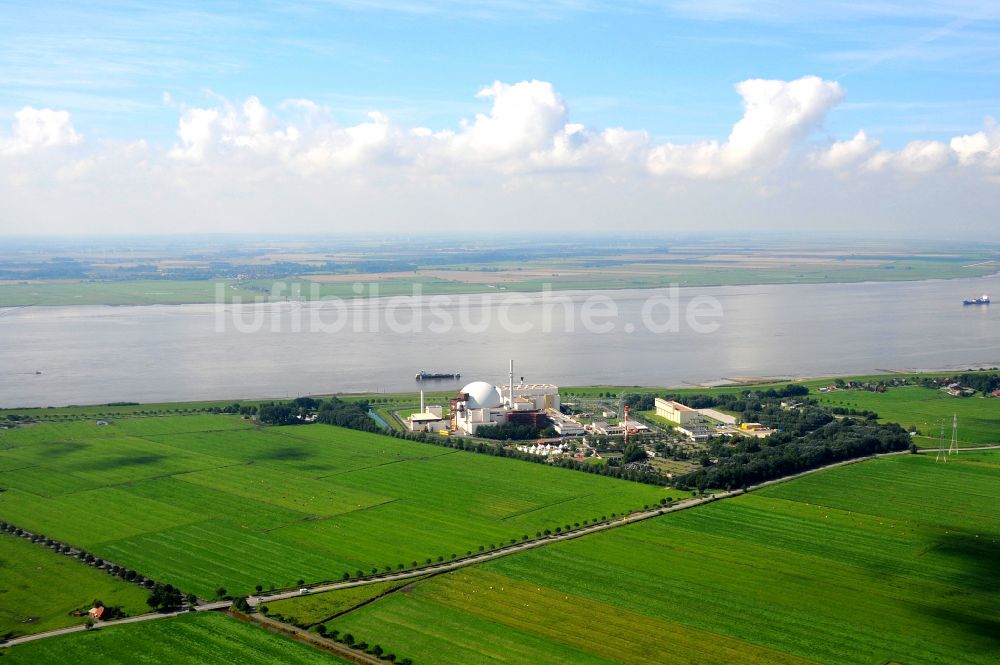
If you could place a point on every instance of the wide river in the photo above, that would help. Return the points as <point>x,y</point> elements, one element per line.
<point>95,354</point>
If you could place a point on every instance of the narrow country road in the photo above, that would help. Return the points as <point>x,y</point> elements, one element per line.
<point>485,556</point>
<point>207,607</point>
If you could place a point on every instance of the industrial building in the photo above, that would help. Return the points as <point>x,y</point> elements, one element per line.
<point>480,403</point>
<point>695,431</point>
<point>565,425</point>
<point>429,419</point>
<point>536,396</point>
<point>755,430</point>
<point>675,411</point>
<point>604,429</point>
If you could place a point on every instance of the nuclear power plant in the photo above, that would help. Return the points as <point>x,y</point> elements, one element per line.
<point>481,403</point>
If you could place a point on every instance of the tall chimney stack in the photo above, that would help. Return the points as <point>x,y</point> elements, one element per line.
<point>511,394</point>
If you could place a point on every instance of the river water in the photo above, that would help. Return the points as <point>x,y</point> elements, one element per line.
<point>96,354</point>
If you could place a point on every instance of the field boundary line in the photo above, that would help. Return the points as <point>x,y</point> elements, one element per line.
<point>528,511</point>
<point>307,638</point>
<point>368,601</point>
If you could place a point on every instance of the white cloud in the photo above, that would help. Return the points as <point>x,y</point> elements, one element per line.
<point>244,165</point>
<point>34,129</point>
<point>526,129</point>
<point>777,116</point>
<point>981,148</point>
<point>916,157</point>
<point>842,155</point>
<point>525,117</point>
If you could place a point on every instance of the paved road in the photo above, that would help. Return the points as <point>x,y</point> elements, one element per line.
<point>485,556</point>
<point>207,607</point>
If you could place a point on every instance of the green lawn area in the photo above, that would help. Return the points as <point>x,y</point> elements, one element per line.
<point>926,409</point>
<point>889,560</point>
<point>204,501</point>
<point>153,292</point>
<point>196,639</point>
<point>40,589</point>
<point>657,420</point>
<point>317,607</point>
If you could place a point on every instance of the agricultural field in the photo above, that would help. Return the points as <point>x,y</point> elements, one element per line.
<point>197,639</point>
<point>926,409</point>
<point>155,292</point>
<point>590,268</point>
<point>888,560</point>
<point>209,501</point>
<point>316,608</point>
<point>41,589</point>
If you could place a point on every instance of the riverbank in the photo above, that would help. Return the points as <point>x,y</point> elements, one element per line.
<point>57,292</point>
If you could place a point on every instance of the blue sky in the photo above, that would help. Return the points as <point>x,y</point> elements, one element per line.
<point>735,113</point>
<point>912,70</point>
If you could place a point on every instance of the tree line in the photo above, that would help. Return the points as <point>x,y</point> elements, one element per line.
<point>331,411</point>
<point>752,461</point>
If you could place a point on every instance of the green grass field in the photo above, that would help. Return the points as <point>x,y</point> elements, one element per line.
<point>40,589</point>
<point>206,501</point>
<point>196,639</point>
<point>926,409</point>
<point>318,607</point>
<point>165,292</point>
<point>891,560</point>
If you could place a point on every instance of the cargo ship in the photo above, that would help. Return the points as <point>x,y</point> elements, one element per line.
<point>982,300</point>
<point>424,376</point>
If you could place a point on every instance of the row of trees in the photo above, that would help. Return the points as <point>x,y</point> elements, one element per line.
<point>163,596</point>
<point>166,597</point>
<point>349,640</point>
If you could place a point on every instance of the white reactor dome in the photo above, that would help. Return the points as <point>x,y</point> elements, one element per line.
<point>482,395</point>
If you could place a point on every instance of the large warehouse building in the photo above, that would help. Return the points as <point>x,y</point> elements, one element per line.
<point>675,411</point>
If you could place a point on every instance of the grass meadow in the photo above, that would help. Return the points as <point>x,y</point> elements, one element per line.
<point>139,292</point>
<point>926,409</point>
<point>195,639</point>
<point>318,607</point>
<point>40,589</point>
<point>889,560</point>
<point>211,501</point>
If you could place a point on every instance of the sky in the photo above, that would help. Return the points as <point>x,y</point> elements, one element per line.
<point>408,116</point>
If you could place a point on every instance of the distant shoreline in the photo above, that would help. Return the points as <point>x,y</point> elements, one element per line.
<point>427,290</point>
<point>748,382</point>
